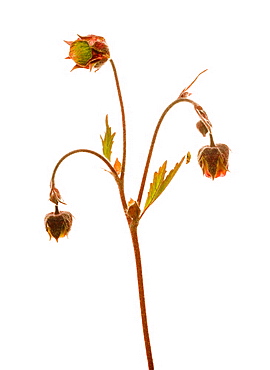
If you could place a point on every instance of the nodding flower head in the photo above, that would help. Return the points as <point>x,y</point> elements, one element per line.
<point>88,52</point>
<point>214,160</point>
<point>58,224</point>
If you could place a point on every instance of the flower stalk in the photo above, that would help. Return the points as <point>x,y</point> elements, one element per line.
<point>123,121</point>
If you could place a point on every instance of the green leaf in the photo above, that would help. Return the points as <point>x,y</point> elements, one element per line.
<point>159,184</point>
<point>154,190</point>
<point>107,141</point>
<point>170,176</point>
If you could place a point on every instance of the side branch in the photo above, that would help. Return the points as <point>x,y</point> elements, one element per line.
<point>112,170</point>
<point>123,165</point>
<point>154,140</point>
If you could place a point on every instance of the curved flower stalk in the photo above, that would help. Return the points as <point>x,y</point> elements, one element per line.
<point>91,52</point>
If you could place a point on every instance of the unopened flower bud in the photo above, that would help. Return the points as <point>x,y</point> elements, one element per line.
<point>202,128</point>
<point>88,52</point>
<point>214,160</point>
<point>58,224</point>
<point>133,209</point>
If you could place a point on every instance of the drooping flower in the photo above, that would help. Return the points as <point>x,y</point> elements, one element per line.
<point>214,160</point>
<point>88,52</point>
<point>58,224</point>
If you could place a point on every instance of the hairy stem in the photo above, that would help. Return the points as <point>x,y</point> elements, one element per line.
<point>123,164</point>
<point>134,236</point>
<point>180,100</point>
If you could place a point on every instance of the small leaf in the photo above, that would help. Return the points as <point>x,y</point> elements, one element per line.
<point>130,202</point>
<point>159,184</point>
<point>107,141</point>
<point>117,166</point>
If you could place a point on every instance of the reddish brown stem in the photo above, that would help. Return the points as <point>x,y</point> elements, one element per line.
<point>133,230</point>
<point>134,236</point>
<point>112,170</point>
<point>123,164</point>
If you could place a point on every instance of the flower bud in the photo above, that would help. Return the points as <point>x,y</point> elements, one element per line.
<point>214,160</point>
<point>58,224</point>
<point>133,210</point>
<point>202,128</point>
<point>88,52</point>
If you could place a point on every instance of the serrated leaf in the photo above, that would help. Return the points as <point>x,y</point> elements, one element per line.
<point>159,184</point>
<point>107,141</point>
<point>170,176</point>
<point>155,185</point>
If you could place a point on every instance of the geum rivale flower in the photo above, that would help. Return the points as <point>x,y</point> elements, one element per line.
<point>88,52</point>
<point>214,160</point>
<point>58,223</point>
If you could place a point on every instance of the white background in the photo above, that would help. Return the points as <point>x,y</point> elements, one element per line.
<point>204,244</point>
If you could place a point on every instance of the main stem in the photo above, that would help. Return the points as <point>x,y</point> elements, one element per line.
<point>134,236</point>
<point>133,225</point>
